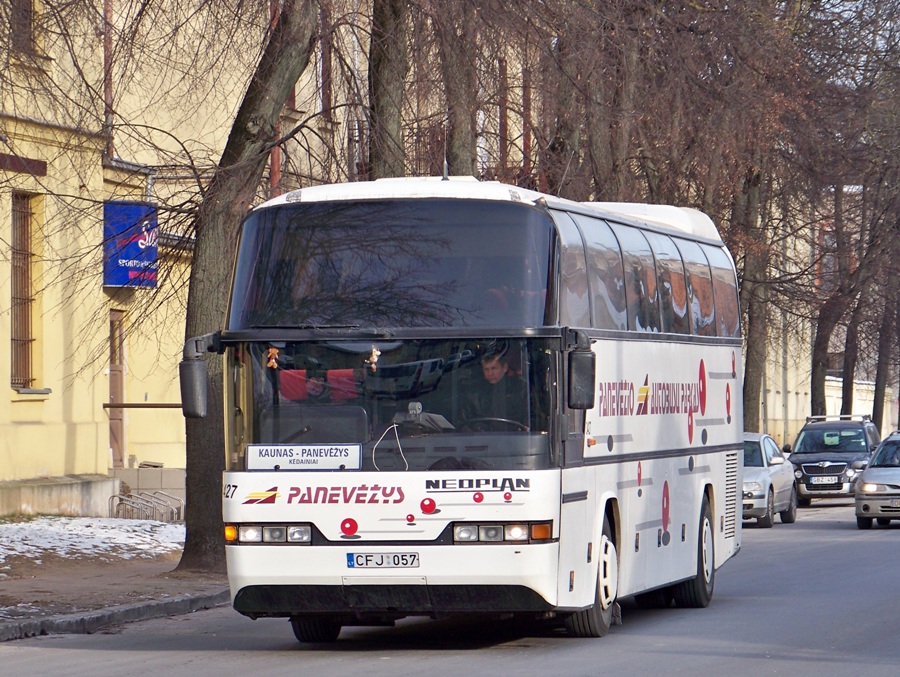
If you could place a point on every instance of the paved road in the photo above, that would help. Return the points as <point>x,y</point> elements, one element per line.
<point>815,598</point>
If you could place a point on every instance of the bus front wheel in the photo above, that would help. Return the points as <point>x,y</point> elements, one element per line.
<point>696,592</point>
<point>315,629</point>
<point>596,619</point>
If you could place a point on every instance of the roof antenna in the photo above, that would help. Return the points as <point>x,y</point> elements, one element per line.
<point>446,174</point>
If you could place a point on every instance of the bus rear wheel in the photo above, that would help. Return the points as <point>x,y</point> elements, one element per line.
<point>697,592</point>
<point>596,619</point>
<point>315,629</point>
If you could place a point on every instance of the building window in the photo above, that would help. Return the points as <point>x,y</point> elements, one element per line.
<point>21,285</point>
<point>21,26</point>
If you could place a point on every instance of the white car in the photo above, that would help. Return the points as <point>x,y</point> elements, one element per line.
<point>769,485</point>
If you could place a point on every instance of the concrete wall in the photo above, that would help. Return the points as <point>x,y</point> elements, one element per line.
<point>75,495</point>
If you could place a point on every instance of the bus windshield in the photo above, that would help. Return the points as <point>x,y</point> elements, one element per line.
<point>392,405</point>
<point>393,263</point>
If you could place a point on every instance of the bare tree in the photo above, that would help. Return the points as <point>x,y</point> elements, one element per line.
<point>225,201</point>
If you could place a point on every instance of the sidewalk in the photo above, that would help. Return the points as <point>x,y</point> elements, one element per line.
<point>79,575</point>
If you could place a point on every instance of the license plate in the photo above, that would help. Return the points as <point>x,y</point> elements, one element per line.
<point>383,560</point>
<point>825,479</point>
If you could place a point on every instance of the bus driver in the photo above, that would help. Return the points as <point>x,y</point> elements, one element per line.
<point>501,395</point>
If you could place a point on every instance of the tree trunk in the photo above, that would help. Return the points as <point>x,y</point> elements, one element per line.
<point>851,357</point>
<point>559,161</point>
<point>225,202</point>
<point>456,35</point>
<point>753,296</point>
<point>388,65</point>
<point>830,313</point>
<point>886,338</point>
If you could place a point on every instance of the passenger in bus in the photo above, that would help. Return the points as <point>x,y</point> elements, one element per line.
<point>317,388</point>
<point>500,395</point>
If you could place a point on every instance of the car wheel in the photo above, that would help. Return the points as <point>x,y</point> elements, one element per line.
<point>697,592</point>
<point>864,522</point>
<point>883,521</point>
<point>767,520</point>
<point>789,516</point>
<point>314,629</point>
<point>596,619</point>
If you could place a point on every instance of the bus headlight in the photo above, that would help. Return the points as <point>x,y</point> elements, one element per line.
<point>492,532</point>
<point>535,532</point>
<point>249,534</point>
<point>236,534</point>
<point>299,534</point>
<point>465,533</point>
<point>274,534</point>
<point>515,532</point>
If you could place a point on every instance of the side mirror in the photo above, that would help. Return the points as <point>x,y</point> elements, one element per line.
<point>192,375</point>
<point>776,460</point>
<point>582,373</point>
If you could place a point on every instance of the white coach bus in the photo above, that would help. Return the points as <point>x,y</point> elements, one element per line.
<point>451,396</point>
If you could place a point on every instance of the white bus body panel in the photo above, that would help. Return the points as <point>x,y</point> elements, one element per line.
<point>666,428</point>
<point>377,512</point>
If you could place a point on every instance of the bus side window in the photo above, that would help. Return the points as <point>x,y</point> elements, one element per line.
<point>700,289</point>
<point>640,279</point>
<point>725,291</point>
<point>606,275</point>
<point>574,302</point>
<point>673,303</point>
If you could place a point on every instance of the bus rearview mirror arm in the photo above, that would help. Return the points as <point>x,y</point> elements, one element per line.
<point>192,374</point>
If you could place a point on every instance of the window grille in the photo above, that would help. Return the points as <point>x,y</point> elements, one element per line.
<point>22,292</point>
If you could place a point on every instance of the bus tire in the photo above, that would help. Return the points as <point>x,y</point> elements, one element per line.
<point>596,619</point>
<point>315,629</point>
<point>696,592</point>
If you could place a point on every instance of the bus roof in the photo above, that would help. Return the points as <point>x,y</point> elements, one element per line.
<point>682,219</point>
<point>685,219</point>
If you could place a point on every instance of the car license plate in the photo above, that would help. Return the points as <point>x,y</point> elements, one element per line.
<point>824,479</point>
<point>382,560</point>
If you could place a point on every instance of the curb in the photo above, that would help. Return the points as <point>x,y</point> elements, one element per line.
<point>89,622</point>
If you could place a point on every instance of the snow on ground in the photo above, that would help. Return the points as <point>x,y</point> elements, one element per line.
<point>106,538</point>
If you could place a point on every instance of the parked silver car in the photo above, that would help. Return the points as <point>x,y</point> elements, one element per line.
<point>878,488</point>
<point>769,485</point>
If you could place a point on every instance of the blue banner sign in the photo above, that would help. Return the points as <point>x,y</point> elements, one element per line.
<point>130,252</point>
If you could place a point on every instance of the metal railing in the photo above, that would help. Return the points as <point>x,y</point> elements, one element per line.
<point>156,505</point>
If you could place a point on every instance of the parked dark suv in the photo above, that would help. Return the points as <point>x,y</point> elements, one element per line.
<point>829,455</point>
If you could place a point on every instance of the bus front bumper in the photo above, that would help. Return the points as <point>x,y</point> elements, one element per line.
<point>289,581</point>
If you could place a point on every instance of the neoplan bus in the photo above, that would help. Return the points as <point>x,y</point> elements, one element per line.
<point>366,481</point>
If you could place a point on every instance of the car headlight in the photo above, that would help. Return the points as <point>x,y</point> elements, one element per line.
<point>798,473</point>
<point>851,473</point>
<point>871,488</point>
<point>752,486</point>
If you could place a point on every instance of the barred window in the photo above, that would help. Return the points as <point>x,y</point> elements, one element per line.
<point>22,292</point>
<point>21,26</point>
